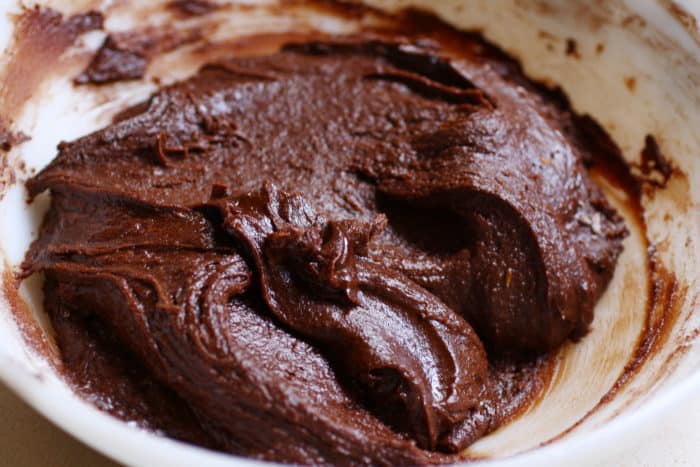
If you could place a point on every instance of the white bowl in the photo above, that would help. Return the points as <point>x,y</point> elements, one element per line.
<point>642,80</point>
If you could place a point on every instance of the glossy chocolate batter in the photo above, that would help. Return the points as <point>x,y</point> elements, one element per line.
<point>350,251</point>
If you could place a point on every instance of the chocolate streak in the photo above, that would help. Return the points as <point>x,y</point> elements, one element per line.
<point>298,246</point>
<point>9,139</point>
<point>126,56</point>
<point>189,8</point>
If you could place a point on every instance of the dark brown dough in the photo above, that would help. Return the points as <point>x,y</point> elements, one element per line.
<point>298,245</point>
<point>317,280</point>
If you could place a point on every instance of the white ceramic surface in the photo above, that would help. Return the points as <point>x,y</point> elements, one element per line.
<point>641,40</point>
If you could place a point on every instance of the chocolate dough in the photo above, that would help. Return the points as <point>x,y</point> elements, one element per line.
<point>345,252</point>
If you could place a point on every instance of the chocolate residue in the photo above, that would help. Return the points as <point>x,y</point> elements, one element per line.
<point>114,62</point>
<point>9,139</point>
<point>41,36</point>
<point>653,168</point>
<point>125,56</point>
<point>685,18</point>
<point>187,8</point>
<point>631,83</point>
<point>33,329</point>
<point>572,48</point>
<point>662,309</point>
<point>663,294</point>
<point>633,20</point>
<point>549,38</point>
